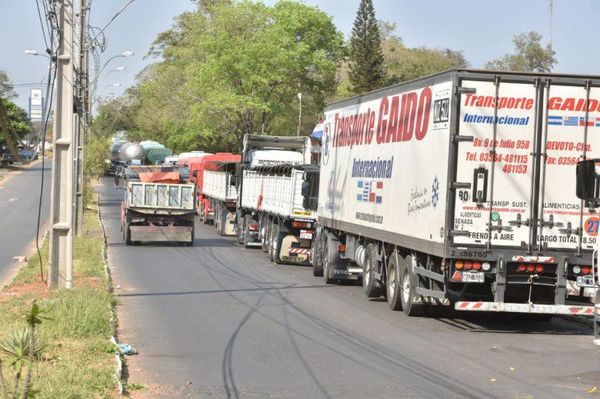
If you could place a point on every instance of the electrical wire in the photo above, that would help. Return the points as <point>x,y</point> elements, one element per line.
<point>115,17</point>
<point>39,12</point>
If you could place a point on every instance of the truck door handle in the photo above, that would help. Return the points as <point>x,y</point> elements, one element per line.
<point>480,183</point>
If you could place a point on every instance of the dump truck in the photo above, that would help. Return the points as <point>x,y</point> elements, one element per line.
<point>157,207</point>
<point>214,176</point>
<point>460,189</point>
<point>272,211</point>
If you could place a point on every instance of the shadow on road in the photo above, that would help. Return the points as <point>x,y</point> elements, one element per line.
<point>507,323</point>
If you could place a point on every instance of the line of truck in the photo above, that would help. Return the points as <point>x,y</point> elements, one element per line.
<point>468,188</point>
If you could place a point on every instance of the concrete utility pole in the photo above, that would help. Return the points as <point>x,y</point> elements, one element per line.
<point>60,273</point>
<point>81,119</point>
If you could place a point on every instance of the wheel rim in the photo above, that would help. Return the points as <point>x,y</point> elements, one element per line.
<point>406,287</point>
<point>391,282</point>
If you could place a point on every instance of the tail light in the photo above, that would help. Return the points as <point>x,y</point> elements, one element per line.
<point>530,268</point>
<point>586,270</point>
<point>341,248</point>
<point>473,265</point>
<point>539,268</point>
<point>522,267</point>
<point>301,225</point>
<point>253,227</point>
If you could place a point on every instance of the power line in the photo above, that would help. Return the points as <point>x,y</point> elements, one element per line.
<point>37,3</point>
<point>114,17</point>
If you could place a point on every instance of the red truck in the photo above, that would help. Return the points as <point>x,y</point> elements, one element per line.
<point>215,187</point>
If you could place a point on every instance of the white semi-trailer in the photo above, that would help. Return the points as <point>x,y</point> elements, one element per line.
<point>460,188</point>
<point>274,209</point>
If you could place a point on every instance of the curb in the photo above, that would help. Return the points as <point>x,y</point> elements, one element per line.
<point>112,310</point>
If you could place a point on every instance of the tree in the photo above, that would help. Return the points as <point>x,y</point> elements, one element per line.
<point>20,125</point>
<point>530,56</point>
<point>367,64</point>
<point>405,63</point>
<point>235,67</point>
<point>6,88</point>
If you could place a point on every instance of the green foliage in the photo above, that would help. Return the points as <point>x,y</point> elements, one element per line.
<point>96,153</point>
<point>405,63</point>
<point>6,88</point>
<point>19,121</point>
<point>234,67</point>
<point>529,56</point>
<point>20,351</point>
<point>367,64</point>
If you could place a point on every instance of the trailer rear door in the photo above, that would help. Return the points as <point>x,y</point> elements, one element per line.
<point>571,133</point>
<point>499,205</point>
<point>522,161</point>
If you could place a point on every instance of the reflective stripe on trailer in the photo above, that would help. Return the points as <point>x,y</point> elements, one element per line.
<point>524,308</point>
<point>300,251</point>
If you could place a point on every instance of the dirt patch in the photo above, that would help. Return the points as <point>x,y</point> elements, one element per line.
<point>38,288</point>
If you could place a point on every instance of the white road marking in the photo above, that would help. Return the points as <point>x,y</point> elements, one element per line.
<point>12,199</point>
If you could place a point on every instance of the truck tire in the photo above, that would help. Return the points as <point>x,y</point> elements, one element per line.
<point>408,283</point>
<point>371,287</point>
<point>239,228</point>
<point>276,245</point>
<point>127,233</point>
<point>222,223</point>
<point>191,242</point>
<point>264,234</point>
<point>317,255</point>
<point>331,258</point>
<point>392,284</point>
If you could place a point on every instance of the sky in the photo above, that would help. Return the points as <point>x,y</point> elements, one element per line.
<point>482,29</point>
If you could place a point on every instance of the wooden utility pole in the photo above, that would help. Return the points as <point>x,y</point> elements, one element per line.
<point>60,273</point>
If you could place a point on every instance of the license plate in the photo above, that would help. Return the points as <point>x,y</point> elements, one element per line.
<point>585,281</point>
<point>306,235</point>
<point>470,277</point>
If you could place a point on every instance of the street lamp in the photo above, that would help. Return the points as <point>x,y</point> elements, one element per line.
<point>299,114</point>
<point>31,51</point>
<point>127,53</point>
<point>109,85</point>
<point>117,69</point>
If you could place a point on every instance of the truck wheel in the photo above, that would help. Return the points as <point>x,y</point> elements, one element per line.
<point>371,287</point>
<point>264,234</point>
<point>331,258</point>
<point>276,245</point>
<point>317,256</point>
<point>407,287</point>
<point>222,223</point>
<point>127,233</point>
<point>393,283</point>
<point>239,228</point>
<point>191,242</point>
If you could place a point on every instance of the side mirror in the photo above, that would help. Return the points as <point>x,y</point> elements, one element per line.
<point>310,190</point>
<point>305,188</point>
<point>588,181</point>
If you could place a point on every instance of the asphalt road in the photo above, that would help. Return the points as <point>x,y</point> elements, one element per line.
<point>217,320</point>
<point>19,198</point>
